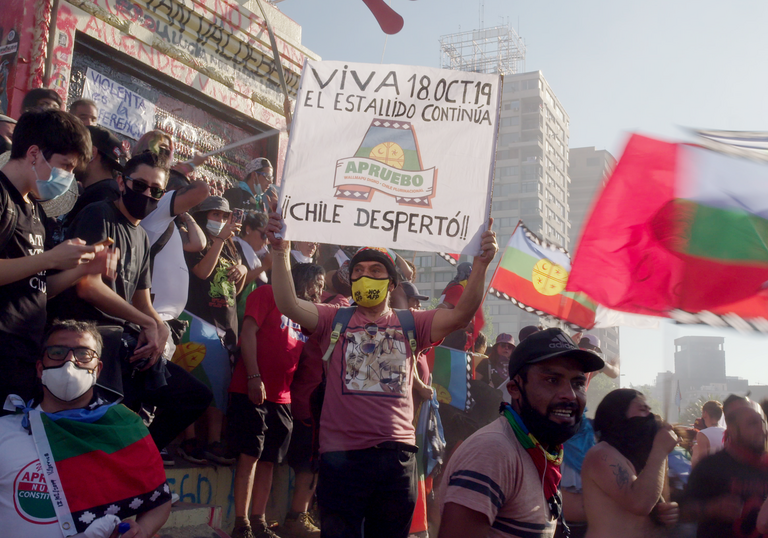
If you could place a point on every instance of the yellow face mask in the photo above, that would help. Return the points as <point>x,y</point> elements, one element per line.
<point>369,292</point>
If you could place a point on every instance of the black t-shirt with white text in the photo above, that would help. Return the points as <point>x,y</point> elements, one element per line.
<point>95,223</point>
<point>22,303</point>
<point>721,474</point>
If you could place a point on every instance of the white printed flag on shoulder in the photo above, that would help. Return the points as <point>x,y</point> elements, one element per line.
<point>392,156</point>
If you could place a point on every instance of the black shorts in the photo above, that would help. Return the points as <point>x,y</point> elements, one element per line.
<point>260,431</point>
<point>299,455</point>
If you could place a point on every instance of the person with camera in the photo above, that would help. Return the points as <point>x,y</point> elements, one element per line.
<point>216,276</point>
<point>125,303</point>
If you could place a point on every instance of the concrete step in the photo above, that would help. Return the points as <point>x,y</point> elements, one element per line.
<point>188,520</point>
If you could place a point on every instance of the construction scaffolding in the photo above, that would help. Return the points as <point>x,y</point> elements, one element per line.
<point>490,50</point>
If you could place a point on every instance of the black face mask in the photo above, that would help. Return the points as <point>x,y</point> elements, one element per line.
<point>547,432</point>
<point>634,439</point>
<point>138,205</point>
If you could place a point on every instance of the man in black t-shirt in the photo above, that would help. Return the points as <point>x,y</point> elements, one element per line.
<point>98,179</point>
<point>725,490</point>
<point>47,146</point>
<point>126,300</point>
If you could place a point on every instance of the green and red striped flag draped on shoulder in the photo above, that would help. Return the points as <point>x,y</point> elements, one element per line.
<point>532,274</point>
<point>98,462</point>
<point>679,231</point>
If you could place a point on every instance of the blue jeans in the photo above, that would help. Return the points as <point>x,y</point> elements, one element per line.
<point>367,493</point>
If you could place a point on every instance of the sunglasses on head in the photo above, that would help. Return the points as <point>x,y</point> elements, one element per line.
<point>141,187</point>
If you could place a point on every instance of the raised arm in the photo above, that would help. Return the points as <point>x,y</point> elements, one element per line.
<point>448,320</point>
<point>302,312</point>
<point>637,494</point>
<point>700,449</point>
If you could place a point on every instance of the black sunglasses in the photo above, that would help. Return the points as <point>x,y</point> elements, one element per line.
<point>83,355</point>
<point>141,187</point>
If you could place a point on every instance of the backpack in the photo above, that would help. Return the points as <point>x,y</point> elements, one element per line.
<point>339,324</point>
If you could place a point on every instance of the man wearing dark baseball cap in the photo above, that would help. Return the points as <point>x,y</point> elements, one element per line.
<point>98,178</point>
<point>413,295</point>
<point>506,475</point>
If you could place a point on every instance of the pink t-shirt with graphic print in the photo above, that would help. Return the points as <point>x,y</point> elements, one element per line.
<point>370,376</point>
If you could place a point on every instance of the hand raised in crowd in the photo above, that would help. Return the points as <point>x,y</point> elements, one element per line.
<point>237,273</point>
<point>666,514</point>
<point>488,245</point>
<point>271,197</point>
<point>275,226</point>
<point>256,391</point>
<point>666,440</point>
<point>71,253</point>
<point>230,229</point>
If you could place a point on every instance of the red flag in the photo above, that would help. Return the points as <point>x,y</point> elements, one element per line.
<point>678,229</point>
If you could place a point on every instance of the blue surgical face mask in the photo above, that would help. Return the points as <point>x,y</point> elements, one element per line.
<point>215,227</point>
<point>57,184</point>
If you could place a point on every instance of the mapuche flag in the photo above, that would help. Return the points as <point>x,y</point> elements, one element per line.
<point>98,462</point>
<point>533,275</point>
<point>678,229</point>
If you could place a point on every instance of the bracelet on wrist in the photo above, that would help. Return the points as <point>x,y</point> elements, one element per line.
<point>253,376</point>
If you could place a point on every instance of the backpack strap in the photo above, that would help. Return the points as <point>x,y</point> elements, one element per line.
<point>409,327</point>
<point>340,322</point>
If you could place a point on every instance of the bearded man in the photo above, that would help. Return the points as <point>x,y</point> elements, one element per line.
<point>503,480</point>
<point>725,490</point>
<point>623,475</point>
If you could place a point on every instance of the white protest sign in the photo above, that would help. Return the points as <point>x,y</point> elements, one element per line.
<point>120,109</point>
<point>391,156</point>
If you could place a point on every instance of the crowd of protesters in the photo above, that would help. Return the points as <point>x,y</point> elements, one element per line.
<point>125,280</point>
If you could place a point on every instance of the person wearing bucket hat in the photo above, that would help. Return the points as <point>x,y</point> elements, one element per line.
<point>517,457</point>
<point>43,141</point>
<point>367,463</point>
<point>257,190</point>
<point>216,276</point>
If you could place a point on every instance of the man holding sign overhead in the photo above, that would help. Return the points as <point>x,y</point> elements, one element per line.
<point>367,441</point>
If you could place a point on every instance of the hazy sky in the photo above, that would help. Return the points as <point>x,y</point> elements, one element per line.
<point>616,67</point>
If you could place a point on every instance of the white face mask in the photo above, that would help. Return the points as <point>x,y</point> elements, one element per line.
<point>68,382</point>
<point>215,227</point>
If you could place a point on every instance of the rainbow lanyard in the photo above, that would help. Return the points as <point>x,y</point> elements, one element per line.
<point>527,439</point>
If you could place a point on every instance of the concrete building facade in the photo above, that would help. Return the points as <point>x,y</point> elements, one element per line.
<point>588,169</point>
<point>531,183</point>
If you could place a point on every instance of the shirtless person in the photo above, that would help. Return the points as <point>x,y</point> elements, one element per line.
<point>623,475</point>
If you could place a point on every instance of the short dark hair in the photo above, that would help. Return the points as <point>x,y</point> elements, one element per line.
<point>88,102</point>
<point>53,131</point>
<point>254,220</point>
<point>38,94</point>
<point>79,327</point>
<point>481,340</point>
<point>150,159</point>
<point>304,274</point>
<point>713,408</point>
